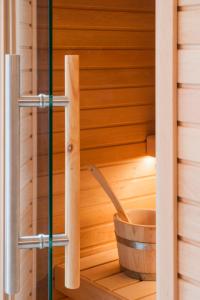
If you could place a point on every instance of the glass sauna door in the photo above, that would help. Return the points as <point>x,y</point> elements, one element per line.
<point>42,159</point>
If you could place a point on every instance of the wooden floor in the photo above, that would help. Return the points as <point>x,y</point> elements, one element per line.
<point>105,281</point>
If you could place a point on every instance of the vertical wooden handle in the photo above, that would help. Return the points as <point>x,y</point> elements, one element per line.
<point>101,179</point>
<point>72,173</point>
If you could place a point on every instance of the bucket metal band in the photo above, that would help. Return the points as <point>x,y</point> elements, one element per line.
<point>136,245</point>
<point>139,276</point>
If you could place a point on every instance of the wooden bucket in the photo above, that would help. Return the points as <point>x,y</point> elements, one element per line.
<point>137,244</point>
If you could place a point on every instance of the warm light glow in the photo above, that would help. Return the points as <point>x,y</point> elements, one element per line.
<point>149,161</point>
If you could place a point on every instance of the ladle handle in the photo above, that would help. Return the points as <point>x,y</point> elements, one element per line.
<point>102,181</point>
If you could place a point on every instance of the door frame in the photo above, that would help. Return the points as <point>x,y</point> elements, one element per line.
<point>8,44</point>
<point>166,147</point>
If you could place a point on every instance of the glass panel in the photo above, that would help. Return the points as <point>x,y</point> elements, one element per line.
<point>34,44</point>
<point>45,86</point>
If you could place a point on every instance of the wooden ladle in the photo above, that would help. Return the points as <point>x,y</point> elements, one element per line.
<point>104,184</point>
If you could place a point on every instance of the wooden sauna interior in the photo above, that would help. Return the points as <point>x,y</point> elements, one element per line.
<point>115,41</point>
<point>115,44</point>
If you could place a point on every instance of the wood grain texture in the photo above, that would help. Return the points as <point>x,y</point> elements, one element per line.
<point>108,190</point>
<point>189,66</point>
<point>115,281</point>
<point>126,5</point>
<point>188,184</point>
<point>166,146</point>
<point>188,131</point>
<point>188,221</point>
<point>188,143</point>
<point>72,173</point>
<point>105,281</point>
<point>111,78</point>
<point>139,290</point>
<point>151,145</point>
<point>116,49</point>
<point>103,39</point>
<point>188,290</point>
<point>188,105</point>
<point>107,59</point>
<point>103,19</point>
<point>188,24</point>
<point>141,228</point>
<point>188,2</point>
<point>188,256</point>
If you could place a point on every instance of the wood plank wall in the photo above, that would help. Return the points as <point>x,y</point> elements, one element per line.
<point>189,148</point>
<point>115,41</point>
<point>24,47</point>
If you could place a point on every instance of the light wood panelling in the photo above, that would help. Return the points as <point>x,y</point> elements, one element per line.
<point>188,24</point>
<point>102,214</point>
<point>188,182</point>
<point>188,2</point>
<point>189,143</point>
<point>188,131</point>
<point>95,195</point>
<point>189,60</point>
<point>188,221</point>
<point>188,290</point>
<point>25,35</point>
<point>107,117</point>
<point>116,116</point>
<point>114,154</point>
<point>98,137</point>
<point>188,256</point>
<point>188,105</point>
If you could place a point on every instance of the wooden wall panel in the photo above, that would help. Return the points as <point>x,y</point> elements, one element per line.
<point>189,143</point>
<point>188,2</point>
<point>103,39</point>
<point>115,41</point>
<point>189,254</point>
<point>188,290</point>
<point>112,78</point>
<point>188,105</point>
<point>103,19</point>
<point>188,147</point>
<point>188,61</point>
<point>117,59</point>
<point>188,225</point>
<point>188,23</point>
<point>126,5</point>
<point>188,183</point>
